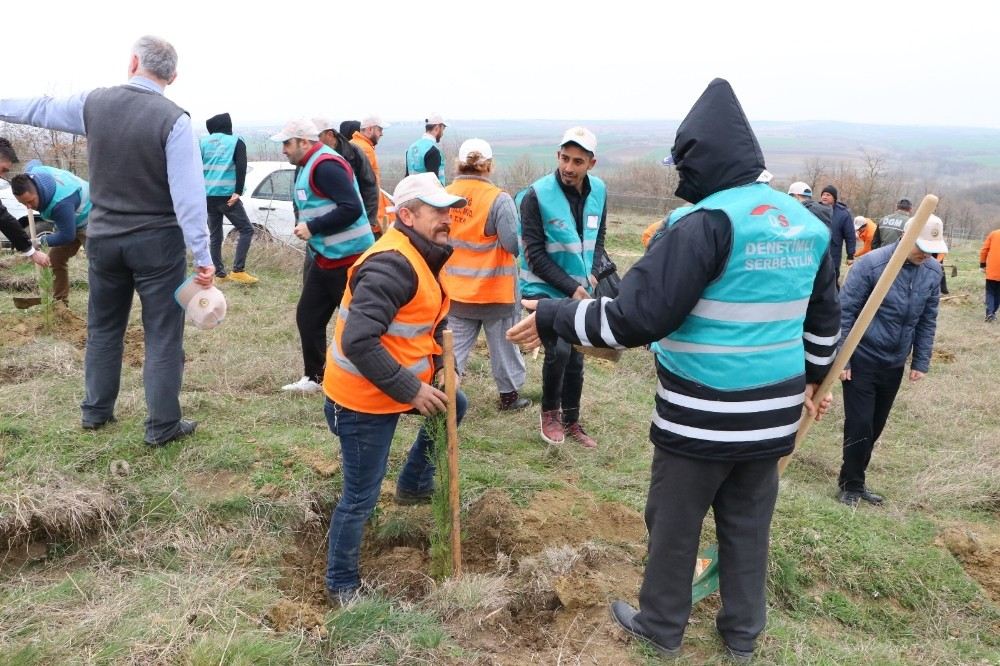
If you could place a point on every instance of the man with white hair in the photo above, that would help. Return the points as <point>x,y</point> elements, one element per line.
<point>903,327</point>
<point>148,196</point>
<point>423,155</point>
<point>333,223</point>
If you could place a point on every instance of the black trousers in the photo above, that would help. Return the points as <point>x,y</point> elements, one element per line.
<point>562,380</point>
<point>742,496</point>
<point>868,398</point>
<point>322,290</point>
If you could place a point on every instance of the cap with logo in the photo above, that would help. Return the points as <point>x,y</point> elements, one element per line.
<point>931,238</point>
<point>582,137</point>
<point>300,128</point>
<point>800,188</point>
<point>205,308</point>
<point>427,188</point>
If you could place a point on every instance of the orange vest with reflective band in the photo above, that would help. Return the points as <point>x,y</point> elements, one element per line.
<point>409,338</point>
<point>479,270</point>
<point>362,142</point>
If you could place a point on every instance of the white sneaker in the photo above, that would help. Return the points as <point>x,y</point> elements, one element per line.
<point>304,385</point>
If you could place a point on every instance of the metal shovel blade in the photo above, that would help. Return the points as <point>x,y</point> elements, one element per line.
<point>25,302</point>
<point>706,574</point>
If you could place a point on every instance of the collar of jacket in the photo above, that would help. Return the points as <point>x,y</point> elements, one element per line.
<point>435,255</point>
<point>571,191</point>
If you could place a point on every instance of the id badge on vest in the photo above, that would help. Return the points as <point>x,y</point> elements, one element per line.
<point>301,195</point>
<point>593,221</point>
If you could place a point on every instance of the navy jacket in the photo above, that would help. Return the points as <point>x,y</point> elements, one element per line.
<point>841,231</point>
<point>907,318</point>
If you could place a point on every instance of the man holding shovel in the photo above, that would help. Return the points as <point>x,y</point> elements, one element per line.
<point>9,226</point>
<point>903,325</point>
<point>381,364</point>
<point>738,295</point>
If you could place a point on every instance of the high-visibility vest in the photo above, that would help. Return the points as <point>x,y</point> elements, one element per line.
<point>217,152</point>
<point>746,330</point>
<point>563,244</point>
<point>479,270</point>
<point>356,238</point>
<point>415,157</point>
<point>67,184</point>
<point>362,142</point>
<point>409,338</point>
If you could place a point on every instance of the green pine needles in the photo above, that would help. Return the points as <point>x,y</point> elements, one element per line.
<point>436,427</point>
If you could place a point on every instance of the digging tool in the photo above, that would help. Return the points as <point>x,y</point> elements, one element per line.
<point>706,580</point>
<point>452,422</point>
<point>24,302</point>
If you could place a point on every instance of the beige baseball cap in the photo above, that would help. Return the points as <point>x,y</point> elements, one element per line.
<point>582,137</point>
<point>205,308</point>
<point>427,188</point>
<point>374,121</point>
<point>300,128</point>
<point>433,119</point>
<point>931,238</point>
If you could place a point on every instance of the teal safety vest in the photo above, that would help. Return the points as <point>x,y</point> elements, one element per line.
<point>356,238</point>
<point>564,246</point>
<point>67,184</point>
<point>415,157</point>
<point>746,330</point>
<point>217,163</point>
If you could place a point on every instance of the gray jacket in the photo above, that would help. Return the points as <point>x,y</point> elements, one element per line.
<point>907,318</point>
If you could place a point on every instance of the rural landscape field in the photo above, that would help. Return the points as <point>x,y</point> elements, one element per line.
<point>212,550</point>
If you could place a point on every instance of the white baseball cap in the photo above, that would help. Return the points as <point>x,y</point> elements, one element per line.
<point>433,119</point>
<point>300,128</point>
<point>931,238</point>
<point>859,221</point>
<point>582,137</point>
<point>427,188</point>
<point>800,188</point>
<point>205,308</point>
<point>323,123</point>
<point>374,121</point>
<point>470,146</point>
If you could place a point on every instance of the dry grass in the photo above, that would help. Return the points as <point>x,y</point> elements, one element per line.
<point>56,509</point>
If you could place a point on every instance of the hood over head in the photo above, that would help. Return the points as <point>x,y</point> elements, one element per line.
<point>715,148</point>
<point>220,124</point>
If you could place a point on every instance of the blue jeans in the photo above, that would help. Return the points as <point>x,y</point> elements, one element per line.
<point>365,440</point>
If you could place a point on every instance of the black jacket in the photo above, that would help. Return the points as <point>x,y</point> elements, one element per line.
<point>715,150</point>
<point>363,172</point>
<point>11,228</point>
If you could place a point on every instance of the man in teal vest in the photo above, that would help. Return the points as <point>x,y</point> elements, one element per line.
<point>423,155</point>
<point>738,296</point>
<point>332,221</point>
<point>224,160</point>
<point>63,199</point>
<point>563,218</point>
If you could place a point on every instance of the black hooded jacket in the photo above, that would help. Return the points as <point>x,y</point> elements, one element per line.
<point>715,150</point>
<point>223,124</point>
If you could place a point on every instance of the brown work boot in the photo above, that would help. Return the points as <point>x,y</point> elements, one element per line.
<point>552,427</point>
<point>575,432</point>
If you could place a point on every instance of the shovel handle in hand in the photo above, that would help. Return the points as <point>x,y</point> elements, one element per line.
<point>31,230</point>
<point>451,390</point>
<point>885,281</point>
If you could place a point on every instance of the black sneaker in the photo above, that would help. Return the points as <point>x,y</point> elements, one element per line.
<point>406,498</point>
<point>849,497</point>
<point>738,656</point>
<point>512,402</point>
<point>184,428</point>
<point>624,616</point>
<point>872,498</point>
<point>96,425</point>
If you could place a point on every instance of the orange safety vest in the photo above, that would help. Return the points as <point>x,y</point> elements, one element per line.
<point>409,338</point>
<point>990,255</point>
<point>865,233</point>
<point>479,270</point>
<point>362,142</point>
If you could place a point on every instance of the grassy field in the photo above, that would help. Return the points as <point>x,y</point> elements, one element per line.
<point>212,550</point>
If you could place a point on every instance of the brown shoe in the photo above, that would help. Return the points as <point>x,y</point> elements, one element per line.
<point>575,432</point>
<point>552,427</point>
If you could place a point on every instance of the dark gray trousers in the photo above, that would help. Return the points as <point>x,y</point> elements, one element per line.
<point>742,496</point>
<point>151,263</point>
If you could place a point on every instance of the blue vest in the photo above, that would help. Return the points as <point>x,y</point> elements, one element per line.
<point>67,184</point>
<point>355,239</point>
<point>217,163</point>
<point>746,331</point>
<point>562,243</point>
<point>415,157</point>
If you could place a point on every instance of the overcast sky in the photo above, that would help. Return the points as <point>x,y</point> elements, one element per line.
<point>894,63</point>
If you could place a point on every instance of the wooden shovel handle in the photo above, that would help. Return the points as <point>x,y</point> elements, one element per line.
<point>31,230</point>
<point>453,492</point>
<point>902,251</point>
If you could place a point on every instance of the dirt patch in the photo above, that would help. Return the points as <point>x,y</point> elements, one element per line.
<point>324,466</point>
<point>24,328</point>
<point>217,485</point>
<point>943,355</point>
<point>288,615</point>
<point>978,551</point>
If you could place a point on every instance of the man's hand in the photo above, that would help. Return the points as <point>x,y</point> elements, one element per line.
<point>40,258</point>
<point>302,232</point>
<point>593,281</point>
<point>525,332</point>
<point>232,200</point>
<point>581,294</point>
<point>429,400</point>
<point>916,375</point>
<point>817,410</point>
<point>850,261</point>
<point>205,276</point>
<point>845,375</point>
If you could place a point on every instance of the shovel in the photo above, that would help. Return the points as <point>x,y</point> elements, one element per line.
<point>706,578</point>
<point>24,302</point>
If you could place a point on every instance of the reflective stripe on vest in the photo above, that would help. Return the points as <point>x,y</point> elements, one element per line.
<point>746,330</point>
<point>415,157</point>
<point>479,270</point>
<point>217,152</point>
<point>67,184</point>
<point>409,338</point>
<point>356,238</point>
<point>563,244</point>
